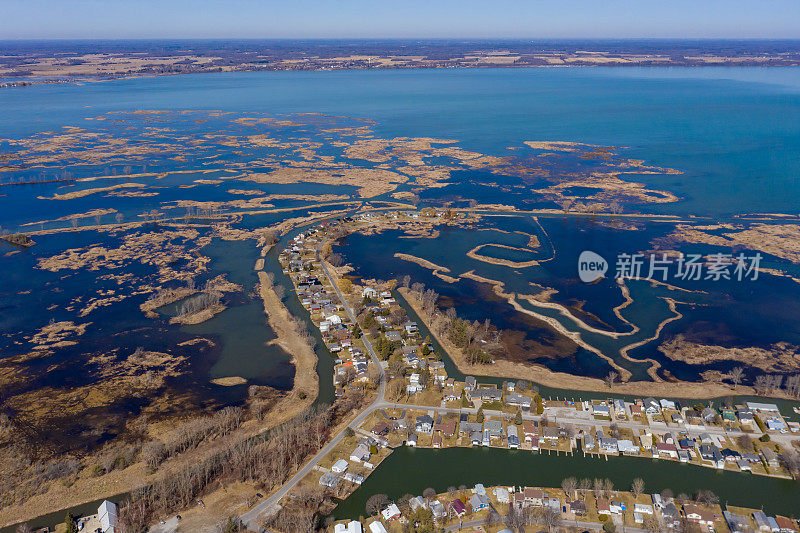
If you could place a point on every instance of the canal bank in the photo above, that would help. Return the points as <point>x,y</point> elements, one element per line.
<point>412,470</point>
<point>785,406</point>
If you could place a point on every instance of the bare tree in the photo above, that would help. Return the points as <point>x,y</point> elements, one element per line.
<point>429,494</point>
<point>568,485</point>
<point>611,378</point>
<point>707,497</point>
<point>336,260</point>
<point>549,517</point>
<point>735,375</point>
<point>637,487</point>
<point>376,502</point>
<point>405,281</point>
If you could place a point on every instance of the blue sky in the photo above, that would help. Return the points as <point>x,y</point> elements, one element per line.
<point>21,19</point>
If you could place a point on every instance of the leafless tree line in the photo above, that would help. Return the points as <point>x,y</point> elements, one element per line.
<point>199,303</point>
<point>266,460</point>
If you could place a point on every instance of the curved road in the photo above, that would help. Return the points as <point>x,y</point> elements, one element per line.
<point>251,517</point>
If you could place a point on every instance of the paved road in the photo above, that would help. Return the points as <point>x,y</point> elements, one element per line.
<point>251,518</point>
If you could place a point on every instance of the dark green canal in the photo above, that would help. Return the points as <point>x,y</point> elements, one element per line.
<point>411,470</point>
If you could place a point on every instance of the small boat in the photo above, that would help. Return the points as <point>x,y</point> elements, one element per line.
<point>796,410</point>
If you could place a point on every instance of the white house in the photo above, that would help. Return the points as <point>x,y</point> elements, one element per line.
<point>376,527</point>
<point>354,526</point>
<point>339,466</point>
<point>391,513</point>
<point>107,513</point>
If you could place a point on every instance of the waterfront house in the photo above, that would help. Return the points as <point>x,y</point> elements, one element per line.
<point>709,452</point>
<point>695,514</point>
<point>353,478</point>
<point>627,447</point>
<point>459,508</point>
<point>517,400</point>
<point>670,515</point>
<point>761,521</point>
<point>683,456</point>
<point>642,508</point>
<point>107,514</point>
<point>412,440</point>
<point>487,438</point>
<point>730,456</point>
<point>745,415</point>
<point>417,502</point>
<point>736,523</point>
<point>339,466</point>
<point>667,404</point>
<point>549,434</point>
<point>392,512</point>
<point>601,410</point>
<point>578,507</point>
<point>637,410</point>
<point>410,327</point>
<point>424,424</point>
<point>667,449</point>
<point>478,502</point>
<point>469,383</point>
<point>494,427</point>
<point>486,394</point>
<point>589,443</point>
<point>513,438</point>
<point>651,406</point>
<point>329,480</point>
<point>619,407</point>
<point>530,430</point>
<point>709,415</point>
<point>479,489</point>
<point>446,426</point>
<point>476,438</point>
<point>770,457</point>
<point>502,495</point>
<point>608,445</point>
<point>775,424</point>
<point>438,509</point>
<point>553,503</point>
<point>751,457</point>
<point>437,441</point>
<point>603,507</point>
<point>728,413</point>
<point>658,502</point>
<point>786,525</point>
<point>360,454</point>
<point>766,407</point>
<point>354,526</point>
<point>616,507</point>
<point>533,497</point>
<point>369,292</point>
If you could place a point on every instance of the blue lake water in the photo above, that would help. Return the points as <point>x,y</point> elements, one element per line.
<point>734,132</point>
